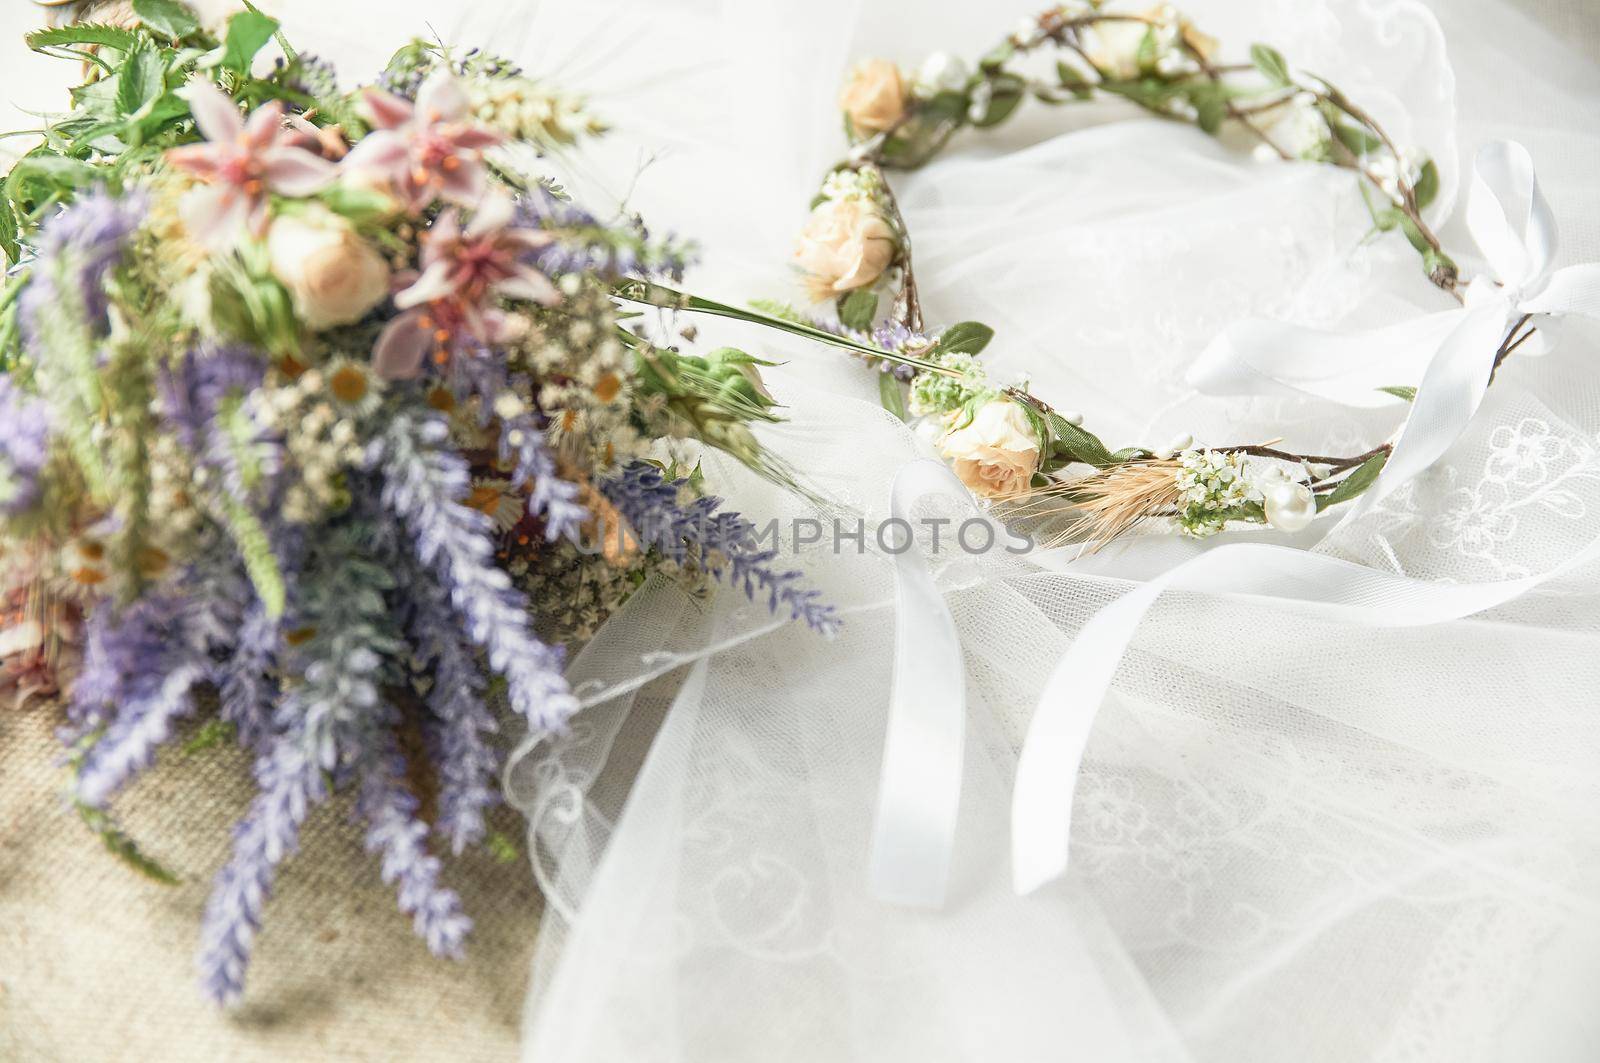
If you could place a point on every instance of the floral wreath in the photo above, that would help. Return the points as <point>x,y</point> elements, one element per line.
<point>1006,444</point>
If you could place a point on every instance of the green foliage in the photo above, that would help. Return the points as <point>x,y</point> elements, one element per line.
<point>1074,82</point>
<point>858,309</point>
<point>116,840</point>
<point>1400,392</point>
<point>119,844</point>
<point>1427,186</point>
<point>248,303</point>
<point>892,394</point>
<point>1005,93</point>
<point>502,848</point>
<point>248,32</point>
<point>52,40</point>
<point>10,248</point>
<point>1069,442</point>
<point>1271,64</point>
<point>213,733</point>
<point>167,17</point>
<point>964,337</point>
<point>1357,482</point>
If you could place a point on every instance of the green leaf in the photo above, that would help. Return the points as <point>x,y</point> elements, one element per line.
<point>1388,220</point>
<point>1400,391</point>
<point>892,395</point>
<point>168,17</point>
<point>997,58</point>
<point>1357,139</point>
<point>359,205</point>
<point>1356,482</point>
<point>1008,90</point>
<point>159,113</point>
<point>964,337</point>
<point>1210,105</point>
<point>1077,443</point>
<point>122,846</point>
<point>37,177</point>
<point>1427,187</point>
<point>140,79</point>
<point>8,234</point>
<point>1073,81</point>
<point>1272,64</point>
<point>248,33</point>
<point>1414,234</point>
<point>1146,55</point>
<point>944,107</point>
<point>857,309</point>
<point>283,42</point>
<point>1150,93</point>
<point>82,33</point>
<point>209,735</point>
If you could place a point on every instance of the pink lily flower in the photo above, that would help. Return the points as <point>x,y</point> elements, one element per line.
<point>240,162</point>
<point>426,150</point>
<point>464,271</point>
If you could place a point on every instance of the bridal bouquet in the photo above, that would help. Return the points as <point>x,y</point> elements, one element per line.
<point>321,423</point>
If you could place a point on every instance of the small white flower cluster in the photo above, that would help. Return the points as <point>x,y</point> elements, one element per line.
<point>1211,484</point>
<point>1299,129</point>
<point>525,110</point>
<point>1172,57</point>
<point>319,436</point>
<point>846,184</point>
<point>584,371</point>
<point>1394,174</point>
<point>934,394</point>
<point>173,517</point>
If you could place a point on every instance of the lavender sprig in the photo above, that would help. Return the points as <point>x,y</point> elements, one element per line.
<point>290,783</point>
<point>76,249</point>
<point>534,467</point>
<point>725,541</point>
<point>24,448</point>
<point>245,682</point>
<point>394,830</point>
<point>322,728</point>
<point>583,244</point>
<point>461,723</point>
<point>150,649</point>
<point>423,482</point>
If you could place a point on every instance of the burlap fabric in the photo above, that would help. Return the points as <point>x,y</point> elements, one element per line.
<point>96,962</point>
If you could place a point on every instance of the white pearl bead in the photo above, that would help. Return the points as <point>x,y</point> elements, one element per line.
<point>1290,507</point>
<point>1176,447</point>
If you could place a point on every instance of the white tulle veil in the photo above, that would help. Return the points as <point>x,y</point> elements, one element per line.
<point>1296,837</point>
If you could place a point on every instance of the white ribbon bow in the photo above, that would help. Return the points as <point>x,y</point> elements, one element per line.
<point>1516,233</point>
<point>1451,356</point>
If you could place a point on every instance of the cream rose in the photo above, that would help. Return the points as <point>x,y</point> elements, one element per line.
<point>334,276</point>
<point>845,245</point>
<point>995,454</point>
<point>1114,46</point>
<point>874,98</point>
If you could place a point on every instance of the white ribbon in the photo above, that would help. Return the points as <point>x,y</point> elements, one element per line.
<point>919,788</point>
<point>1449,354</point>
<point>1516,232</point>
<point>1513,226</point>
